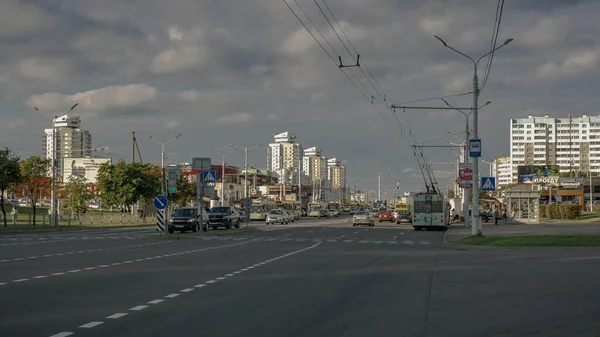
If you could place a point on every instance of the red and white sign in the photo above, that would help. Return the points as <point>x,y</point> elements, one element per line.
<point>465,175</point>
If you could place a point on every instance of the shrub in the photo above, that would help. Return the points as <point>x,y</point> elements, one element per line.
<point>572,211</point>
<point>562,211</point>
<point>543,209</point>
<point>554,212</point>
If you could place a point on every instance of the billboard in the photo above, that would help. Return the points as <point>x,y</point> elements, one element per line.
<point>465,175</point>
<point>538,174</point>
<point>83,167</point>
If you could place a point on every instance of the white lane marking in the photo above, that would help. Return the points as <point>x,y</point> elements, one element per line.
<point>63,334</point>
<point>229,275</point>
<point>237,272</point>
<point>103,266</point>
<point>117,315</point>
<point>2,283</point>
<point>356,232</point>
<point>341,236</point>
<point>407,242</point>
<point>424,242</point>
<point>139,307</point>
<point>89,268</point>
<point>119,263</point>
<point>402,233</point>
<point>40,276</point>
<point>91,324</point>
<point>211,281</point>
<point>186,290</point>
<point>221,278</point>
<point>395,237</point>
<point>21,280</point>
<point>33,257</point>
<point>18,259</point>
<point>155,301</point>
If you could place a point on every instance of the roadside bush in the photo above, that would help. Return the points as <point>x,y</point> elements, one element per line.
<point>554,212</point>
<point>543,209</point>
<point>562,212</point>
<point>548,215</point>
<point>572,211</point>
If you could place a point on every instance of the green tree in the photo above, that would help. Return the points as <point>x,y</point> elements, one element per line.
<point>124,184</point>
<point>78,194</point>
<point>10,174</point>
<point>34,172</point>
<point>186,191</point>
<point>451,194</point>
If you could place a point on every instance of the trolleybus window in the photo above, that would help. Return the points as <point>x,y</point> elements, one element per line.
<point>428,206</point>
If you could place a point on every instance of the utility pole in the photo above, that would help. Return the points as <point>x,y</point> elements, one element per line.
<point>476,228</point>
<point>246,148</point>
<point>54,212</point>
<point>162,174</point>
<point>222,196</point>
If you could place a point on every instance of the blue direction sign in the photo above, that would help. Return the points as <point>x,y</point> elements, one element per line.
<point>160,202</point>
<point>209,176</point>
<point>475,148</point>
<point>488,183</point>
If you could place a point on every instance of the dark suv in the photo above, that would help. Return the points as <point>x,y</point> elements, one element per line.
<point>187,218</point>
<point>224,216</point>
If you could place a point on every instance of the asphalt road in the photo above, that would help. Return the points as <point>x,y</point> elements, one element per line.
<point>312,278</point>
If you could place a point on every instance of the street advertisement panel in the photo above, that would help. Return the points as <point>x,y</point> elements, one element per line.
<point>538,174</point>
<point>83,167</point>
<point>465,175</point>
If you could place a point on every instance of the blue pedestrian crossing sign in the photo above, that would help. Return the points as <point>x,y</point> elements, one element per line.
<point>160,202</point>
<point>488,183</point>
<point>209,176</point>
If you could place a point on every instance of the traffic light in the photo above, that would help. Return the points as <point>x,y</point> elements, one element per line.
<point>172,177</point>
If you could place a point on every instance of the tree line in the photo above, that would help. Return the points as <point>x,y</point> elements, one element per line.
<point>121,184</point>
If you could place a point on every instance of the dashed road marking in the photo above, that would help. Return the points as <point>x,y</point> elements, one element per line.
<point>21,280</point>
<point>90,324</point>
<point>155,301</point>
<point>138,308</point>
<point>186,290</point>
<point>172,295</point>
<point>63,334</point>
<point>117,315</point>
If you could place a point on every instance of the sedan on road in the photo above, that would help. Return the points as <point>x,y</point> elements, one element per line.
<point>333,213</point>
<point>277,216</point>
<point>363,218</point>
<point>187,219</point>
<point>385,216</point>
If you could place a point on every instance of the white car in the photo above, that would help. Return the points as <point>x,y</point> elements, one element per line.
<point>363,218</point>
<point>333,213</point>
<point>277,216</point>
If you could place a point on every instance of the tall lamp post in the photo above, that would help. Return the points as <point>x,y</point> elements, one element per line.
<point>223,155</point>
<point>490,164</point>
<point>162,161</point>
<point>475,229</point>
<point>379,182</point>
<point>246,148</point>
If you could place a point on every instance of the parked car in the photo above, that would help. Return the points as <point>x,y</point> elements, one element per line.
<point>363,218</point>
<point>223,216</point>
<point>385,216</point>
<point>277,215</point>
<point>333,213</point>
<point>187,218</point>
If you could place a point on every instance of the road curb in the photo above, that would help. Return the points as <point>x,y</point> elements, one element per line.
<point>67,229</point>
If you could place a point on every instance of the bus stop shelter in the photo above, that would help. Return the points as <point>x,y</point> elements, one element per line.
<point>522,204</point>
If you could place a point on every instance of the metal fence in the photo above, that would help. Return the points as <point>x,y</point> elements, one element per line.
<point>96,219</point>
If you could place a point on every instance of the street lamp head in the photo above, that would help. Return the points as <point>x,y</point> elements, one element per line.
<point>486,103</point>
<point>178,136</point>
<point>73,107</point>
<point>508,41</point>
<point>442,41</point>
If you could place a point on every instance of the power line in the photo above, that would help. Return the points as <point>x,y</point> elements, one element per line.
<point>329,54</point>
<point>499,10</point>
<point>435,98</point>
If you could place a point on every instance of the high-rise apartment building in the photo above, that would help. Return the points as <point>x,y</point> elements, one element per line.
<point>71,141</point>
<point>284,155</point>
<point>571,143</point>
<point>314,165</point>
<point>502,171</point>
<point>337,176</point>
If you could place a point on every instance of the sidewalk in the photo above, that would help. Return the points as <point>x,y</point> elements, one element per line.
<point>459,231</point>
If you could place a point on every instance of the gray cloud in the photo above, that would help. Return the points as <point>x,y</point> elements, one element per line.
<point>236,71</point>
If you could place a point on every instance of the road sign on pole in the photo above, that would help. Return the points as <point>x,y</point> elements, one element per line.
<point>160,202</point>
<point>475,148</point>
<point>201,163</point>
<point>160,220</point>
<point>488,183</point>
<point>209,176</point>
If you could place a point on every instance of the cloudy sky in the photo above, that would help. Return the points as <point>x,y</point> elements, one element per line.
<point>240,71</point>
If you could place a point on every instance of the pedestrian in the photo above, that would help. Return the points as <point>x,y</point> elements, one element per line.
<point>504,220</point>
<point>496,216</point>
<point>15,213</point>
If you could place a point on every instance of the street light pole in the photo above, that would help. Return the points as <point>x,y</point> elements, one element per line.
<point>490,164</point>
<point>246,148</point>
<point>221,199</point>
<point>162,161</point>
<point>476,228</point>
